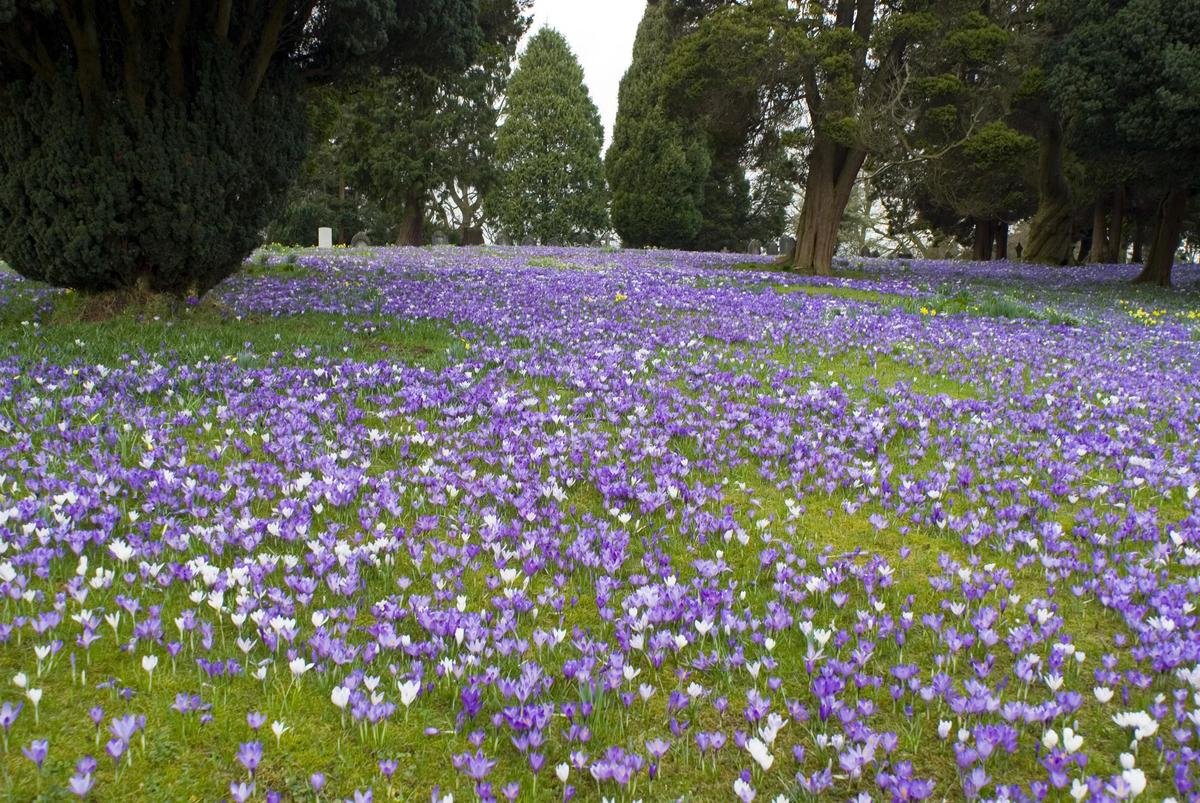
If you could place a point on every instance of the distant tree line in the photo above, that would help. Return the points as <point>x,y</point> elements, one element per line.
<point>960,117</point>
<point>152,144</point>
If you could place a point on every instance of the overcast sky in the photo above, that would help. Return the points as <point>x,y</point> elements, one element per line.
<point>601,34</point>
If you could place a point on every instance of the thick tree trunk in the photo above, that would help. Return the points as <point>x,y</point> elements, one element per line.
<point>1099,234</point>
<point>1116,240</point>
<point>1000,230</point>
<point>412,227</point>
<point>982,251</point>
<point>1050,239</point>
<point>832,171</point>
<point>1168,233</point>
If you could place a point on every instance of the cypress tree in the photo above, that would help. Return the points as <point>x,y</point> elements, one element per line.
<point>656,171</point>
<point>551,187</point>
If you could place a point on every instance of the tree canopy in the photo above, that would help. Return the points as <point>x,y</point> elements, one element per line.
<point>657,166</point>
<point>551,188</point>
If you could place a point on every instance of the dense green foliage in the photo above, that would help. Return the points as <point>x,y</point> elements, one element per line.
<point>1125,77</point>
<point>551,189</point>
<point>656,167</point>
<point>970,174</point>
<point>148,144</point>
<point>831,81</point>
<point>395,153</point>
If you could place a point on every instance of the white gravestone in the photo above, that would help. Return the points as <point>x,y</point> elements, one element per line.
<point>324,237</point>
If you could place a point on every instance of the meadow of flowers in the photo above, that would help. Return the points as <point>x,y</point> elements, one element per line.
<point>531,524</point>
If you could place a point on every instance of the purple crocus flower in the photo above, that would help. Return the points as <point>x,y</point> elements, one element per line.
<point>250,755</point>
<point>36,751</point>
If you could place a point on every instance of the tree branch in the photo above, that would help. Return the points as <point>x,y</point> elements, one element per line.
<point>134,91</point>
<point>267,45</point>
<point>221,20</point>
<point>81,25</point>
<point>175,49</point>
<point>42,69</point>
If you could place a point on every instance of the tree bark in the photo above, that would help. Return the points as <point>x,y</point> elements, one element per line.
<point>982,251</point>
<point>832,171</point>
<point>1168,233</point>
<point>267,45</point>
<point>89,68</point>
<point>1116,240</point>
<point>1000,229</point>
<point>412,227</point>
<point>1050,239</point>
<point>1099,234</point>
<point>1139,242</point>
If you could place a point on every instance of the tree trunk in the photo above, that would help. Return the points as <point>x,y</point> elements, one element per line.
<point>412,227</point>
<point>832,171</point>
<point>1000,228</point>
<point>1050,239</point>
<point>1116,240</point>
<point>1139,241</point>
<point>982,251</point>
<point>1168,233</point>
<point>1099,234</point>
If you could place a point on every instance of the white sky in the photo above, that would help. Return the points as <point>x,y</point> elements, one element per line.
<point>601,34</point>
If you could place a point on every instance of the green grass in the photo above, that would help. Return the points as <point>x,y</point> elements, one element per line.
<point>847,293</point>
<point>550,262</point>
<point>209,332</point>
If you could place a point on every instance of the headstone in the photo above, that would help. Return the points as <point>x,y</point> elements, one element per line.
<point>755,248</point>
<point>503,240</point>
<point>324,237</point>
<point>787,245</point>
<point>440,238</point>
<point>474,236</point>
<point>772,248</point>
<point>529,240</point>
<point>361,240</point>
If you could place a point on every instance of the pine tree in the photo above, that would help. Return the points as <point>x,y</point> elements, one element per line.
<point>551,187</point>
<point>656,170</point>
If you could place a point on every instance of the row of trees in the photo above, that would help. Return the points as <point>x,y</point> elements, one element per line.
<point>398,155</point>
<point>149,143</point>
<point>956,116</point>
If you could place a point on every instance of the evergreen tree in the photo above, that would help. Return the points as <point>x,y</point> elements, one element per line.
<point>970,176</point>
<point>1125,77</point>
<point>842,68</point>
<point>656,169</point>
<point>148,143</point>
<point>395,142</point>
<point>551,187</point>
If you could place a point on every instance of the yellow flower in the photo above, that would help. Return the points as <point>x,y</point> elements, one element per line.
<point>621,297</point>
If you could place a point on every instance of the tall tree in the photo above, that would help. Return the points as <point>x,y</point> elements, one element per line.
<point>1125,77</point>
<point>732,77</point>
<point>551,187</point>
<point>843,67</point>
<point>148,143</point>
<point>408,142</point>
<point>960,163</point>
<point>656,167</point>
